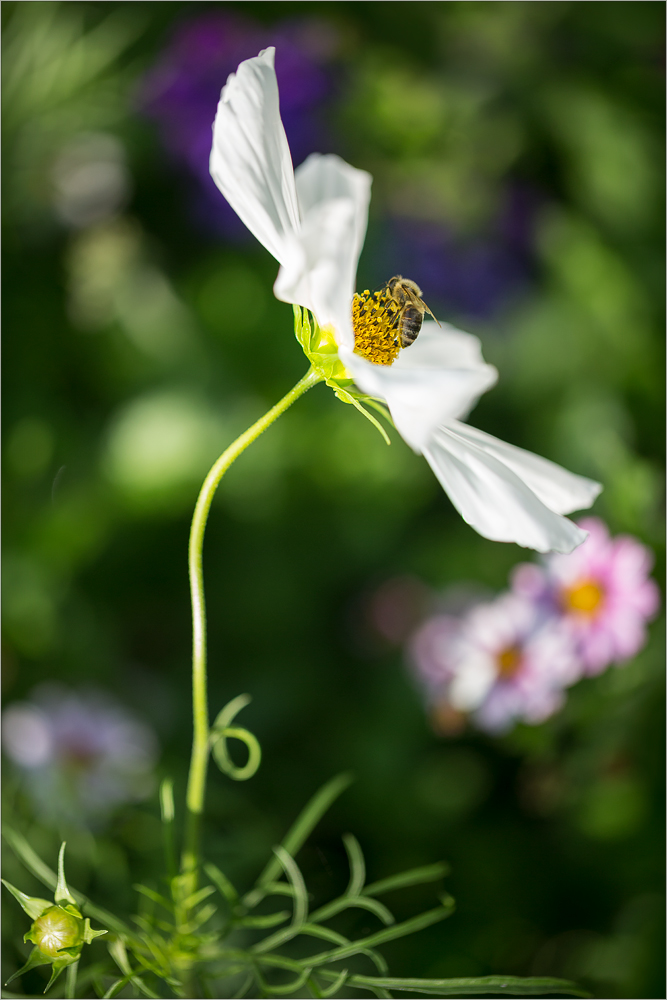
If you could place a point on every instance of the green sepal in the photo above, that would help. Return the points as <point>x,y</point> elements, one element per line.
<point>35,958</point>
<point>57,968</point>
<point>321,349</point>
<point>33,905</point>
<point>62,893</point>
<point>89,934</point>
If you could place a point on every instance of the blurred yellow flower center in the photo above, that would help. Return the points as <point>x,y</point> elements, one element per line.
<point>374,325</point>
<point>585,597</point>
<point>508,661</point>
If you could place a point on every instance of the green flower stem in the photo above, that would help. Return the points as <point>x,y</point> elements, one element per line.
<point>200,743</point>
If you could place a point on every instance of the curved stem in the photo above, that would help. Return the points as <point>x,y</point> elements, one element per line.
<point>200,742</point>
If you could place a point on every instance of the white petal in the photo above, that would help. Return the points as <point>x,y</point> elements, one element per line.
<point>321,179</point>
<point>443,345</point>
<point>250,159</point>
<point>440,377</point>
<point>333,204</point>
<point>559,489</point>
<point>472,682</point>
<point>492,498</point>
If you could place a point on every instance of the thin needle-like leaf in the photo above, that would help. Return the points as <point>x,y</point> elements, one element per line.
<point>360,902</point>
<point>509,985</point>
<point>357,865</point>
<point>414,876</point>
<point>381,937</point>
<point>299,831</point>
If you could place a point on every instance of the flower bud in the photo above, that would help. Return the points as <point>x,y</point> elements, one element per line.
<point>56,929</point>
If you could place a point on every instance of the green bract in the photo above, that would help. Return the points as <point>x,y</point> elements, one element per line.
<point>59,930</point>
<point>320,347</point>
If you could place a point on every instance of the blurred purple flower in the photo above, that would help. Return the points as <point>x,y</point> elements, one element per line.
<point>475,276</point>
<point>80,754</point>
<point>602,590</point>
<point>432,653</point>
<point>182,90</point>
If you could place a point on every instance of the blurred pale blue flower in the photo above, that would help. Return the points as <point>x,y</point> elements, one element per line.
<point>79,754</point>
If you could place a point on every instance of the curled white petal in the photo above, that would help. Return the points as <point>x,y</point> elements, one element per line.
<point>492,498</point>
<point>250,158</point>
<point>440,377</point>
<point>560,490</point>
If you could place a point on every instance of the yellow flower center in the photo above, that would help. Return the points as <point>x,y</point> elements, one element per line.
<point>374,325</point>
<point>585,597</point>
<point>508,662</point>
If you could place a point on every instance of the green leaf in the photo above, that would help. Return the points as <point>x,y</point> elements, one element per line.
<point>198,897</point>
<point>381,937</point>
<point>297,882</point>
<point>167,813</point>
<point>336,985</point>
<point>278,889</point>
<point>154,896</point>
<point>118,952</point>
<point>300,831</point>
<point>414,876</point>
<point>270,920</point>
<point>167,800</point>
<point>244,988</point>
<point>509,985</point>
<point>201,918</point>
<point>32,905</point>
<point>286,988</point>
<point>280,938</point>
<point>222,884</point>
<point>357,865</point>
<point>360,902</point>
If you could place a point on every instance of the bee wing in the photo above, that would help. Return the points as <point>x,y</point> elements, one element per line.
<point>434,317</point>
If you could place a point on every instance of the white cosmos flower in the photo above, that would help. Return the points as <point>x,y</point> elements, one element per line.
<point>313,221</point>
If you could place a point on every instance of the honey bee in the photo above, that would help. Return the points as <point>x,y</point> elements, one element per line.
<point>406,295</point>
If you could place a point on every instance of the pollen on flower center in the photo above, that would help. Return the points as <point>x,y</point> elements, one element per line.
<point>508,662</point>
<point>374,324</point>
<point>585,597</point>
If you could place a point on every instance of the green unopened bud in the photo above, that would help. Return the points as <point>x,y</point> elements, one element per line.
<point>56,930</point>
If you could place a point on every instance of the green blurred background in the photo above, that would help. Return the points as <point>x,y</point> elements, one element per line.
<point>517,157</point>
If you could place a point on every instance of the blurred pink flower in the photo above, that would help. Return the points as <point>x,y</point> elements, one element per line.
<point>602,591</point>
